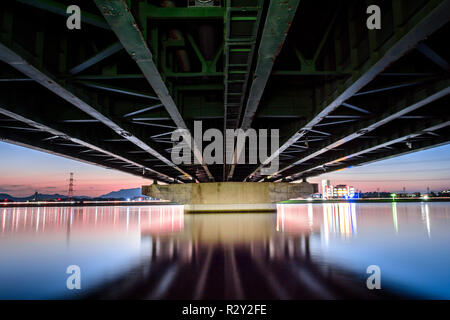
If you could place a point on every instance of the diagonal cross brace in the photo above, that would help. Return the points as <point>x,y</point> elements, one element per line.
<point>21,63</point>
<point>118,15</point>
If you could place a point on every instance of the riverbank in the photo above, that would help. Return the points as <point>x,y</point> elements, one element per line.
<point>369,200</point>
<point>85,203</point>
<point>164,203</point>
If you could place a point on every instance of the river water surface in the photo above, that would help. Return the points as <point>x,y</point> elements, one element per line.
<point>304,251</point>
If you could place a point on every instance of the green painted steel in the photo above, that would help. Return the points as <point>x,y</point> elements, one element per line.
<point>11,57</point>
<point>279,18</point>
<point>433,92</point>
<point>373,146</point>
<point>432,17</point>
<point>155,12</point>
<point>122,22</point>
<point>340,94</point>
<point>239,45</point>
<point>24,113</point>
<point>276,27</point>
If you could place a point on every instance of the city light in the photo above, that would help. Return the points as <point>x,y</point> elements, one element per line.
<point>340,191</point>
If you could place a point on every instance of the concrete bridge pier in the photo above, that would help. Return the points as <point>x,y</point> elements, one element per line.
<point>230,196</point>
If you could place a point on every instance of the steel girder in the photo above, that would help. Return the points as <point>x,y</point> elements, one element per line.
<point>35,144</point>
<point>302,97</point>
<point>276,27</point>
<point>142,170</point>
<point>383,154</point>
<point>433,16</point>
<point>169,13</point>
<point>238,54</point>
<point>107,52</point>
<point>420,146</point>
<point>416,101</point>
<point>22,62</point>
<point>342,159</point>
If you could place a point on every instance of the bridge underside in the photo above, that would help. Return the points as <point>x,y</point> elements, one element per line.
<point>111,93</point>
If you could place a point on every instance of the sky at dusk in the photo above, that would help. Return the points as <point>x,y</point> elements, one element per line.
<point>24,171</point>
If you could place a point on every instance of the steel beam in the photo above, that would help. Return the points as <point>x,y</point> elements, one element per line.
<point>343,117</point>
<point>20,128</point>
<point>105,53</point>
<point>279,18</point>
<point>400,109</point>
<point>81,121</point>
<point>432,17</point>
<point>392,87</point>
<point>81,142</point>
<point>34,145</point>
<point>155,12</point>
<point>31,143</point>
<point>152,119</point>
<point>154,124</point>
<point>22,64</point>
<point>334,122</point>
<point>238,46</point>
<point>119,17</point>
<point>104,76</point>
<point>161,134</point>
<point>128,92</point>
<point>14,79</point>
<point>143,110</point>
<point>348,105</point>
<point>373,146</point>
<point>276,27</point>
<point>433,56</point>
<point>423,145</point>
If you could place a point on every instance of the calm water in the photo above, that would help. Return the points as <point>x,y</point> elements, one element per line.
<point>302,251</point>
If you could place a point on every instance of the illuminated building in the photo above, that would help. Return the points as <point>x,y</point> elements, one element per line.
<point>343,191</point>
<point>340,191</point>
<point>327,189</point>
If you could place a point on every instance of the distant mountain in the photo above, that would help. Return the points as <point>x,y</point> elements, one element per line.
<point>40,196</point>
<point>123,193</point>
<point>4,196</point>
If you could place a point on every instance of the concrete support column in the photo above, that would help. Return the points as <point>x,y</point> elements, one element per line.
<point>230,196</point>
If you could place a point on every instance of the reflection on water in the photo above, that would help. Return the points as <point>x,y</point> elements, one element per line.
<point>302,251</point>
<point>152,219</point>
